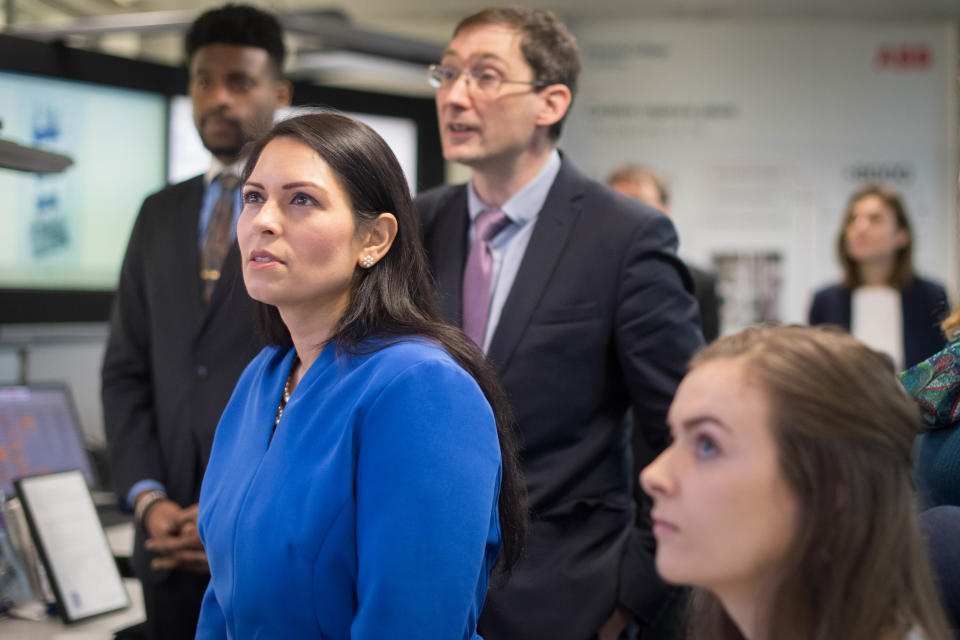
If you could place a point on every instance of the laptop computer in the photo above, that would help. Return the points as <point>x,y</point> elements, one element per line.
<point>40,433</point>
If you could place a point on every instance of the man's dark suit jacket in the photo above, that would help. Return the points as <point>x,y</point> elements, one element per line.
<point>171,361</point>
<point>705,291</point>
<point>924,305</point>
<point>600,317</point>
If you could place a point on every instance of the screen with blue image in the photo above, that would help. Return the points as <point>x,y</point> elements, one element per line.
<point>70,230</point>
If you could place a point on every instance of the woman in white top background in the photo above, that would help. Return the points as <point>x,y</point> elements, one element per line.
<point>881,300</point>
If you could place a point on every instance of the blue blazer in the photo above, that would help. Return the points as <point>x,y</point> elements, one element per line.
<point>924,305</point>
<point>372,511</point>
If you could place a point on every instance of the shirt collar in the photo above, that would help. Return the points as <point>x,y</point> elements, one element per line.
<point>525,204</point>
<point>217,167</point>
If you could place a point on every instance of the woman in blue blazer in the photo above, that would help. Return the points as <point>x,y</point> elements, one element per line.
<point>363,480</point>
<point>881,300</point>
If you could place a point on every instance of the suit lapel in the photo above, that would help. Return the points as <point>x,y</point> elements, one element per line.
<point>447,246</point>
<point>229,284</point>
<point>913,322</point>
<point>547,244</point>
<point>186,268</point>
<point>843,312</point>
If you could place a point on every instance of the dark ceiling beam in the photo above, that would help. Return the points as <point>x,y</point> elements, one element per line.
<point>336,33</point>
<point>102,25</point>
<point>332,29</point>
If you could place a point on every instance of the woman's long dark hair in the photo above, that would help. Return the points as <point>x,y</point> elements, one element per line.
<point>396,296</point>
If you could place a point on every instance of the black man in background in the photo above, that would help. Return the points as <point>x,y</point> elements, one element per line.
<point>181,330</point>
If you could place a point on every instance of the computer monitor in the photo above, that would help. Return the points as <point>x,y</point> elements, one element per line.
<point>39,433</point>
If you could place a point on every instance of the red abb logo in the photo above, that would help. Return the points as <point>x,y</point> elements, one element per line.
<point>903,56</point>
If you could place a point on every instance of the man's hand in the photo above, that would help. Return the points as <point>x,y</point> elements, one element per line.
<point>615,624</point>
<point>173,535</point>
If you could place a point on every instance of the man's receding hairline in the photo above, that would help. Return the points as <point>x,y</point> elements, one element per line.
<point>517,34</point>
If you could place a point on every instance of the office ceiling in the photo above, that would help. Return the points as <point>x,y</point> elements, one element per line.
<point>414,24</point>
<point>391,15</point>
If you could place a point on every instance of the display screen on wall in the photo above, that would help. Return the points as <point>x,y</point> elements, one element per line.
<point>68,231</point>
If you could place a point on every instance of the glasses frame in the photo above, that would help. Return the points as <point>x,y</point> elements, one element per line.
<point>435,79</point>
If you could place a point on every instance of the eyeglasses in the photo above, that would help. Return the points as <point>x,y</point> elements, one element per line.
<point>482,83</point>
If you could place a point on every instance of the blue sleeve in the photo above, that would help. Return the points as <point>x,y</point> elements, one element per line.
<point>139,487</point>
<point>212,625</point>
<point>427,485</point>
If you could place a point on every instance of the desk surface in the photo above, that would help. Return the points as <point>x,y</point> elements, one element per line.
<point>120,539</point>
<point>101,628</point>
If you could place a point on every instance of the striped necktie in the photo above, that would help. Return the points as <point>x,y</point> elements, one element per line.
<point>217,242</point>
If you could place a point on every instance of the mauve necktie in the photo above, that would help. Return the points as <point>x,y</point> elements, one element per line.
<point>479,272</point>
<point>217,242</point>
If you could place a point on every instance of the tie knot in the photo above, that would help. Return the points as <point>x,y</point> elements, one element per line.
<point>489,223</point>
<point>228,181</point>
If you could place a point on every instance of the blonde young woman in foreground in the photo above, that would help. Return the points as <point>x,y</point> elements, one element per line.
<point>786,497</point>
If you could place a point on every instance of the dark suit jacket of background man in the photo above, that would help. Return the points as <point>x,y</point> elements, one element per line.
<point>600,316</point>
<point>171,361</point>
<point>705,291</point>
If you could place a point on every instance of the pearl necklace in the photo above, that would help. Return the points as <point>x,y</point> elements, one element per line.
<point>287,390</point>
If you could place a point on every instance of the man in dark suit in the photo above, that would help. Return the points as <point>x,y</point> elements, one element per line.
<point>181,330</point>
<point>577,296</point>
<point>649,187</point>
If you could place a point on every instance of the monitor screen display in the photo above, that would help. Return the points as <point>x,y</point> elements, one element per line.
<point>68,231</point>
<point>39,433</point>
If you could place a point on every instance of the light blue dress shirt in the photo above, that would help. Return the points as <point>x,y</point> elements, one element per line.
<point>509,245</point>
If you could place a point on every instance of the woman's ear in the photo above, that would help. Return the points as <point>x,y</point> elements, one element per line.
<point>378,238</point>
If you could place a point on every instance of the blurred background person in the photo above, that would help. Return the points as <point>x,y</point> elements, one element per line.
<point>649,187</point>
<point>881,300</point>
<point>941,527</point>
<point>364,476</point>
<point>935,385</point>
<point>182,329</point>
<point>788,488</point>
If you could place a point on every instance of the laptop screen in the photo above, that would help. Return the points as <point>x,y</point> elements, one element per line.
<point>39,433</point>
